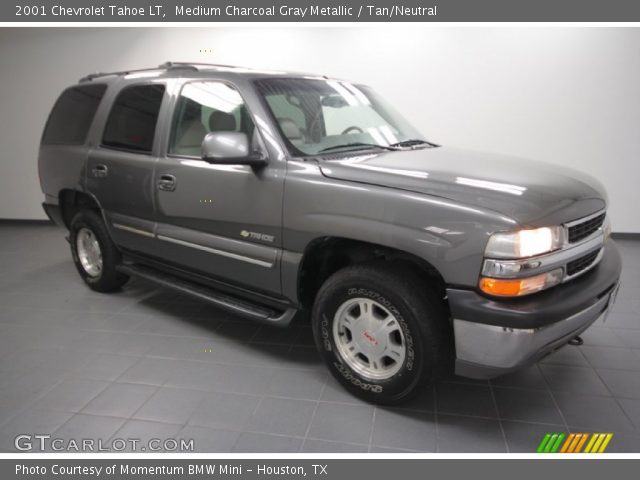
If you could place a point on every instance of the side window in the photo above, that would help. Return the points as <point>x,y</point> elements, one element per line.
<point>71,117</point>
<point>205,107</point>
<point>132,122</point>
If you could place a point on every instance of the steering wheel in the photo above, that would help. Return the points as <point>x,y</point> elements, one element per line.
<point>352,128</point>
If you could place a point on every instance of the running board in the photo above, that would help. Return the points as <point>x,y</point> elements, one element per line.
<point>224,301</point>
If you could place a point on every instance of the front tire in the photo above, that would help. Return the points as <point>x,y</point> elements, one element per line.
<point>381,330</point>
<point>94,253</point>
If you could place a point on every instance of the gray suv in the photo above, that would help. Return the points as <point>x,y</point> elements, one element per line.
<point>272,193</point>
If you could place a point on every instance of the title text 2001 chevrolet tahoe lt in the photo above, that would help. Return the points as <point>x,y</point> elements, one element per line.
<point>267,193</point>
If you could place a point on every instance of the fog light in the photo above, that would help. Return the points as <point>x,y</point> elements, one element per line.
<point>517,287</point>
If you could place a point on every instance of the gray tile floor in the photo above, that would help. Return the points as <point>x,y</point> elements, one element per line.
<point>145,363</point>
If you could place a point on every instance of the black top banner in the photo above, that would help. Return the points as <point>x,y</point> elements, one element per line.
<point>167,11</point>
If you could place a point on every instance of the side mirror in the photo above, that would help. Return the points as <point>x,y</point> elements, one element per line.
<point>230,148</point>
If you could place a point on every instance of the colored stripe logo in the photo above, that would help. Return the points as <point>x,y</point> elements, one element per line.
<point>574,443</point>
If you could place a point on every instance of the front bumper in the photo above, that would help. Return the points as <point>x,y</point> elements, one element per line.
<point>493,337</point>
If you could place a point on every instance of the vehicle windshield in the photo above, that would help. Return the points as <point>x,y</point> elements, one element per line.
<point>321,115</point>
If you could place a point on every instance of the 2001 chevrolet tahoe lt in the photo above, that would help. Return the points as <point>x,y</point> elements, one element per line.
<point>269,193</point>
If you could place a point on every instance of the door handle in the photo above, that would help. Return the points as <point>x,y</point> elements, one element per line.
<point>100,170</point>
<point>167,183</point>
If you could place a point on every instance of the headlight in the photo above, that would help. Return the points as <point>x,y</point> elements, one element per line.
<point>508,255</point>
<point>525,243</point>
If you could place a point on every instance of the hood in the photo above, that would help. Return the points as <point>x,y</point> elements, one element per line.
<point>529,192</point>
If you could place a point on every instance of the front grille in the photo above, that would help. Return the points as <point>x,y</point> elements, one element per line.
<point>579,264</point>
<point>584,229</point>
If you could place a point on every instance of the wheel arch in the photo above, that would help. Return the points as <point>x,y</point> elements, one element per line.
<point>326,255</point>
<point>71,201</point>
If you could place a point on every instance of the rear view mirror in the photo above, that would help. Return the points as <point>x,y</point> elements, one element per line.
<point>230,148</point>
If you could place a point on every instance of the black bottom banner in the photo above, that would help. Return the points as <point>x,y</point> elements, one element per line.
<point>361,469</point>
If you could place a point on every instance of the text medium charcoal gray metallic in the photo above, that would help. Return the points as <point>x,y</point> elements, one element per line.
<point>324,11</point>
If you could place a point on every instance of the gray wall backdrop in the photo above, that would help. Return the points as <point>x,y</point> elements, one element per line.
<point>565,95</point>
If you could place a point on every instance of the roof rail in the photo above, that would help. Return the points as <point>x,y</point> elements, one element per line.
<point>164,66</point>
<point>92,76</point>
<point>193,65</point>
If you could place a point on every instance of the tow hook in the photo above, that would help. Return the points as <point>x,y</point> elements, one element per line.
<point>576,341</point>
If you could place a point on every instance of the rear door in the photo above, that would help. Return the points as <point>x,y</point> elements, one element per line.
<point>120,168</point>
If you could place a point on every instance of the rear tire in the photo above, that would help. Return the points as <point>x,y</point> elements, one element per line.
<point>382,331</point>
<point>94,253</point>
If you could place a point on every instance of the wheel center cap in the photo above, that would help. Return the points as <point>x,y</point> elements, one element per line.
<point>370,338</point>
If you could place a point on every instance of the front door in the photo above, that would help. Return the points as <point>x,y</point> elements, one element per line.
<point>221,220</point>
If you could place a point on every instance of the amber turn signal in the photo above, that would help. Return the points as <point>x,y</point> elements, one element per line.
<point>517,287</point>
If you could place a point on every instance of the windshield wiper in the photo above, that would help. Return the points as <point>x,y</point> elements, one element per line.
<point>359,144</point>
<point>412,143</point>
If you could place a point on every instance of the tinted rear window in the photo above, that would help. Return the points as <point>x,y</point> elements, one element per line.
<point>132,122</point>
<point>72,115</point>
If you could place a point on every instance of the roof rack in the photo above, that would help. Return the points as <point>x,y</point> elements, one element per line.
<point>171,65</point>
<point>165,66</point>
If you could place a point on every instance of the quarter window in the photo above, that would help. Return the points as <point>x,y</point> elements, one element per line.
<point>205,107</point>
<point>72,115</point>
<point>132,122</point>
